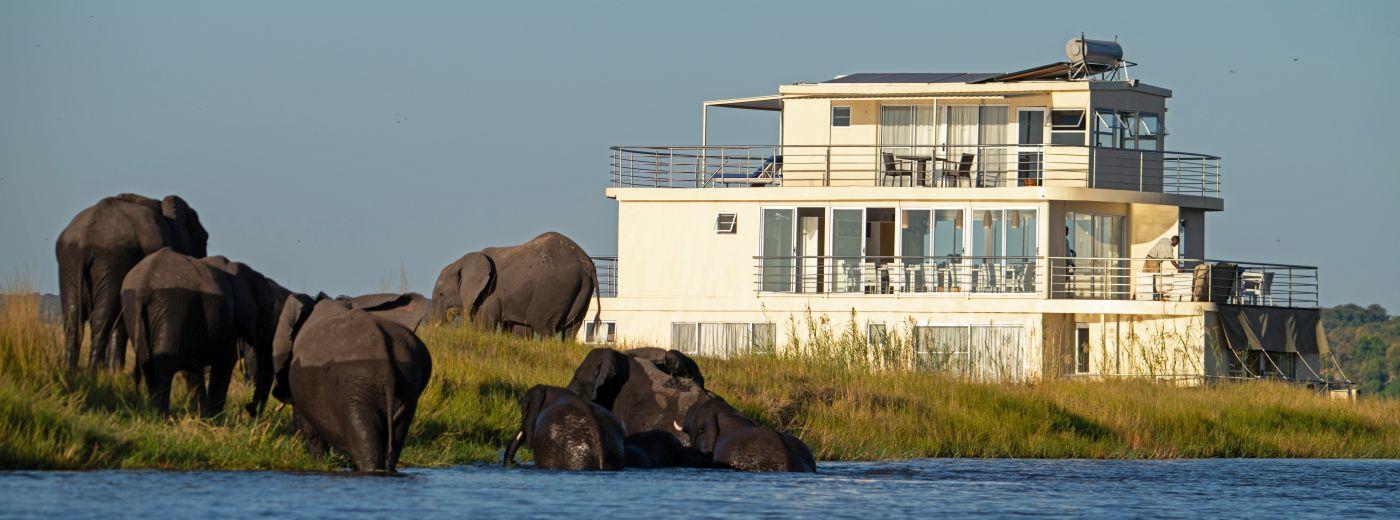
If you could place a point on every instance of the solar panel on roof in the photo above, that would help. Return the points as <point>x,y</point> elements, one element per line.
<point>914,77</point>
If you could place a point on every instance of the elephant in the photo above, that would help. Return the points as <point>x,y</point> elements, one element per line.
<point>353,371</point>
<point>185,314</point>
<point>658,449</point>
<point>96,251</point>
<point>541,287</point>
<point>727,439</point>
<point>565,431</point>
<point>672,362</point>
<point>267,299</point>
<point>639,392</point>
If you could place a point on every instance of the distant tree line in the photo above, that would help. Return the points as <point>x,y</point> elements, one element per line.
<point>1366,342</point>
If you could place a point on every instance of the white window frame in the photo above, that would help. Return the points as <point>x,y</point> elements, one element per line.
<point>721,229</point>
<point>834,117</point>
<point>590,332</point>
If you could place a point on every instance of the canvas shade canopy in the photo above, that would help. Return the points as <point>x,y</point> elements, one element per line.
<point>1273,329</point>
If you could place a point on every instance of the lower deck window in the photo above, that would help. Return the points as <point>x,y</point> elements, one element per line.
<point>985,352</point>
<point>1081,350</point>
<point>1255,363</point>
<point>723,339</point>
<point>600,332</point>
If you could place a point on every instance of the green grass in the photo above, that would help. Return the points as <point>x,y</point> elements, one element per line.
<point>843,410</point>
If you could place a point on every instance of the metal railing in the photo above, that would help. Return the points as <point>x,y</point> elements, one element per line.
<point>944,166</point>
<point>1219,281</point>
<point>1230,282</point>
<point>606,267</point>
<point>898,274</point>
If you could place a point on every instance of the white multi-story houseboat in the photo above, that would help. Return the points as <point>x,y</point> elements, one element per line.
<point>1011,226</point>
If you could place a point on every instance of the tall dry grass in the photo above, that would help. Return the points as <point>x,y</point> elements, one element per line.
<point>832,397</point>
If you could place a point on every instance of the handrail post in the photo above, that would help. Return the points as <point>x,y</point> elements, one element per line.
<point>826,179</point>
<point>1142,185</point>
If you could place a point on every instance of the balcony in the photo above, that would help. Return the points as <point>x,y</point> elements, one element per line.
<point>1069,278</point>
<point>606,269</point>
<point>922,167</point>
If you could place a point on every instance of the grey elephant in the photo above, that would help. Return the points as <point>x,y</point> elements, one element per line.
<point>97,250</point>
<point>659,449</point>
<point>185,314</point>
<point>541,287</point>
<point>353,371</point>
<point>727,439</point>
<point>565,431</point>
<point>638,391</point>
<point>263,300</point>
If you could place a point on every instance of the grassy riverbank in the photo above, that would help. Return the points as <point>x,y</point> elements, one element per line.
<point>49,420</point>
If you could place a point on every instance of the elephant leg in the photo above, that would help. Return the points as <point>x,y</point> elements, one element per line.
<point>116,350</point>
<point>194,385</point>
<point>365,436</point>
<point>159,371</point>
<point>219,377</point>
<point>314,444</point>
<point>402,421</point>
<point>72,294</point>
<point>106,307</point>
<point>520,330</point>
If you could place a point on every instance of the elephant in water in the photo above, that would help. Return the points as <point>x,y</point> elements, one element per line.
<point>186,314</point>
<point>565,431</point>
<point>541,287</point>
<point>97,250</point>
<point>638,391</point>
<point>353,371</point>
<point>729,440</point>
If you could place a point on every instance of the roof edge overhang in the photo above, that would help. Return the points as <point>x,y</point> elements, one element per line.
<point>772,103</point>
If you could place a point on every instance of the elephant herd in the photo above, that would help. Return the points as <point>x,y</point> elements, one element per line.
<point>646,408</point>
<point>136,269</point>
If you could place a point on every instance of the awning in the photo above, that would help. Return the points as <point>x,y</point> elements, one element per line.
<point>1273,329</point>
<point>771,103</point>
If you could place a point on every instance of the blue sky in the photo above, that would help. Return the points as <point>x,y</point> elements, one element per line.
<point>330,143</point>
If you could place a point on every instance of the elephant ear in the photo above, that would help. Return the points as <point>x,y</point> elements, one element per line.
<point>295,311</point>
<point>245,308</point>
<point>682,365</point>
<point>190,234</point>
<point>406,309</point>
<point>477,277</point>
<point>599,378</point>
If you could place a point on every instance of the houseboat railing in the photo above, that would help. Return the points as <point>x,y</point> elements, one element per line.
<point>942,166</point>
<point>606,267</point>
<point>1197,280</point>
<point>1219,281</point>
<point>898,274</point>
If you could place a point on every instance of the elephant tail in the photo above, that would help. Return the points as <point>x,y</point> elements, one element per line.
<point>390,414</point>
<point>140,335</point>
<point>597,313</point>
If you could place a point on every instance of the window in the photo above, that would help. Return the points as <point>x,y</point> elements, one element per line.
<point>600,332</point>
<point>725,223</point>
<point>983,352</point>
<point>724,339</point>
<point>1149,132</point>
<point>1281,365</point>
<point>1067,127</point>
<point>1127,136</point>
<point>1081,350</point>
<point>876,335</point>
<point>1107,128</point>
<point>840,116</point>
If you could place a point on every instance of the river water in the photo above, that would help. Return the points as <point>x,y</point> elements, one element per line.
<point>937,487</point>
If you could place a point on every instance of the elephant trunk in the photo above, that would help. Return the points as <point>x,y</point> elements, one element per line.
<point>508,459</point>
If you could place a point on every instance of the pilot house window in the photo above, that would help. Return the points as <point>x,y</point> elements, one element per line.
<point>840,116</point>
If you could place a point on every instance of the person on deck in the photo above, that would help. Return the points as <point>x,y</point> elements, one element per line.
<point>1164,249</point>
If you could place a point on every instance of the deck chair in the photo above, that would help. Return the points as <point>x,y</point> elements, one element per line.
<point>1257,287</point>
<point>892,169</point>
<point>963,170</point>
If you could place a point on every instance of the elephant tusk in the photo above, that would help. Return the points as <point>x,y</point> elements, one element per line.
<point>518,435</point>
<point>677,425</point>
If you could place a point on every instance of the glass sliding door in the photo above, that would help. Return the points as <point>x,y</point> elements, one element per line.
<point>916,245</point>
<point>779,263</point>
<point>949,270</point>
<point>847,235</point>
<point>987,261</point>
<point>1096,243</point>
<point>993,166</point>
<point>1021,249</point>
<point>1030,135</point>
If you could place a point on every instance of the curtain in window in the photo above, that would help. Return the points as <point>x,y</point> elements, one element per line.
<point>995,352</point>
<point>992,131</point>
<point>925,129</point>
<point>778,262</point>
<point>896,129</point>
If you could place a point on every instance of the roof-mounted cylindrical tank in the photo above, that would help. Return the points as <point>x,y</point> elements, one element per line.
<point>1082,51</point>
